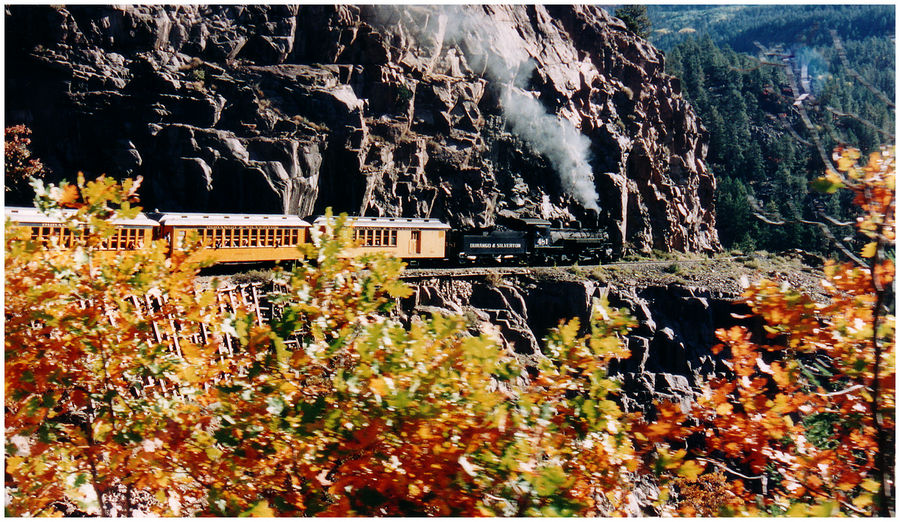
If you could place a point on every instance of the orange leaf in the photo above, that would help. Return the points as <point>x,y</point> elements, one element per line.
<point>69,196</point>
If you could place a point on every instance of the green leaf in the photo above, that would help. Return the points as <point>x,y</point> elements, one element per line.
<point>225,436</point>
<point>823,184</point>
<point>312,411</point>
<point>549,480</point>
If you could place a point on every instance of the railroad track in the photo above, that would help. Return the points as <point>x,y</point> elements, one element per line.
<point>475,271</point>
<point>472,271</point>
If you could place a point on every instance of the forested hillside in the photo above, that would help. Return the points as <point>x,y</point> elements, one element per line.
<point>748,71</point>
<point>740,25</point>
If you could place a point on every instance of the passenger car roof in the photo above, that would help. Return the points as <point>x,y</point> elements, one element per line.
<point>199,219</point>
<point>390,222</point>
<point>33,216</point>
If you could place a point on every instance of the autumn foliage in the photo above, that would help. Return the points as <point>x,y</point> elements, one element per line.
<point>90,395</point>
<point>333,408</point>
<point>19,165</point>
<point>806,417</point>
<point>336,407</point>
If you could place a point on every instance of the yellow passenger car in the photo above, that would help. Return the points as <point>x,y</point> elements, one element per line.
<point>236,238</point>
<point>408,238</point>
<point>130,234</point>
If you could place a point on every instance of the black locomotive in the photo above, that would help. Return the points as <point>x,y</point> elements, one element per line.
<point>529,240</point>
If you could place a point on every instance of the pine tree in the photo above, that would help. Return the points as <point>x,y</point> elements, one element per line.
<point>635,18</point>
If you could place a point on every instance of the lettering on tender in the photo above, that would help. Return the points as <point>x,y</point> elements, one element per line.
<point>495,245</point>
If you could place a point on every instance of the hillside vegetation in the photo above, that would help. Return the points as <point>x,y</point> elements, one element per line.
<point>748,71</point>
<point>739,26</point>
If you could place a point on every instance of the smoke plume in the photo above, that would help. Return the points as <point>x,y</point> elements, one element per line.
<point>496,51</point>
<point>556,138</point>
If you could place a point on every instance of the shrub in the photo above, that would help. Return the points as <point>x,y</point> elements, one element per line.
<point>331,408</point>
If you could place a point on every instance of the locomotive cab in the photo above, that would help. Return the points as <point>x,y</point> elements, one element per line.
<point>511,238</point>
<point>537,231</point>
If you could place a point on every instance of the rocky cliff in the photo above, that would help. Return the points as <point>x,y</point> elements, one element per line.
<point>462,114</point>
<point>670,349</point>
<point>678,306</point>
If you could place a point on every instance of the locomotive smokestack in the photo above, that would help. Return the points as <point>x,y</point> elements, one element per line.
<point>592,218</point>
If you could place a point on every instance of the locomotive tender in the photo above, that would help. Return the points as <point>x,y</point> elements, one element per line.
<point>241,238</point>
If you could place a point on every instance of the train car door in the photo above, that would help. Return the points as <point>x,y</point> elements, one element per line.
<point>415,242</point>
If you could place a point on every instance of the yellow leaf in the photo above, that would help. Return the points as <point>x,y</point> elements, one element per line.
<point>69,195</point>
<point>870,249</point>
<point>844,164</point>
<point>724,409</point>
<point>826,509</point>
<point>870,485</point>
<point>378,386</point>
<point>863,501</point>
<point>846,486</point>
<point>13,463</point>
<point>773,331</point>
<point>833,178</point>
<point>213,453</point>
<point>261,509</point>
<point>798,510</point>
<point>690,470</point>
<point>189,374</point>
<point>190,351</point>
<point>101,429</point>
<point>161,496</point>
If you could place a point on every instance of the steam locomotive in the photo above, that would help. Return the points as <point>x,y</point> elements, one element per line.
<point>531,240</point>
<point>242,238</point>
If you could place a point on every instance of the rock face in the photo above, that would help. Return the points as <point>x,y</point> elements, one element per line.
<point>461,114</point>
<point>670,349</point>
